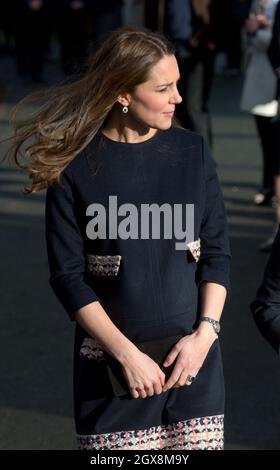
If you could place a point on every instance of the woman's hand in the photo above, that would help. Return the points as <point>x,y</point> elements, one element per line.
<point>144,377</point>
<point>263,21</point>
<point>252,24</point>
<point>190,353</point>
<point>255,22</point>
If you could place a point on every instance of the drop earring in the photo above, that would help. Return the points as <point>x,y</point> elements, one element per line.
<point>125,110</point>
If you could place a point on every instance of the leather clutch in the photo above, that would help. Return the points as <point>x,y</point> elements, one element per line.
<point>156,350</point>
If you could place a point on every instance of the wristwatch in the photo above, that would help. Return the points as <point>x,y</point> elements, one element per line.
<point>216,325</point>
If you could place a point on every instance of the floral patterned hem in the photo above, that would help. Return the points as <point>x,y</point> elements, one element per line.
<point>205,433</point>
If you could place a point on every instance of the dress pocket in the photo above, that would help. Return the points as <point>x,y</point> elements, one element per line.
<point>193,249</point>
<point>91,349</point>
<point>103,265</point>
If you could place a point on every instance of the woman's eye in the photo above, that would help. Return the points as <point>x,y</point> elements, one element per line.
<point>164,89</point>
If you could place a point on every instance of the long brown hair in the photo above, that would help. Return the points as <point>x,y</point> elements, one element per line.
<point>70,115</point>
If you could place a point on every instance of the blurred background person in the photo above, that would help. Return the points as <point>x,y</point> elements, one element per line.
<point>6,25</point>
<point>274,56</point>
<point>71,24</point>
<point>82,26</point>
<point>259,91</point>
<point>154,13</point>
<point>235,15</point>
<point>266,306</point>
<point>178,28</point>
<point>106,15</point>
<point>197,25</point>
<point>31,30</point>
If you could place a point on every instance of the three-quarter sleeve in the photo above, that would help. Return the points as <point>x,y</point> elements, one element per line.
<point>266,306</point>
<point>65,248</point>
<point>214,263</point>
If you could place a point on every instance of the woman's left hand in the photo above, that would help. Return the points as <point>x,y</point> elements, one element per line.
<point>190,353</point>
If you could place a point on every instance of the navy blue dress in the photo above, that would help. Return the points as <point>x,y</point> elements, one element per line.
<point>147,287</point>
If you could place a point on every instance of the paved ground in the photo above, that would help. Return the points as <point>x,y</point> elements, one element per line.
<point>36,337</point>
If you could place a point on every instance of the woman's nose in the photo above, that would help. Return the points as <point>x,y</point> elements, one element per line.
<point>177,98</point>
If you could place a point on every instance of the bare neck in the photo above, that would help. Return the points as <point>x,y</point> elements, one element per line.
<point>123,128</point>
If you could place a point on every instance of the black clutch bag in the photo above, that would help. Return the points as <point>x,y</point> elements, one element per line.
<point>156,350</point>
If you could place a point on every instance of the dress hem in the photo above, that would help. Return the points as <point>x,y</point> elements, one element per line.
<point>204,433</point>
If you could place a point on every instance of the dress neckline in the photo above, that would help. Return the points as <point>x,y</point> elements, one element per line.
<point>152,139</point>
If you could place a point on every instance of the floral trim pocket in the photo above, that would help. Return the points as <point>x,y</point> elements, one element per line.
<point>100,265</point>
<point>91,349</point>
<point>194,249</point>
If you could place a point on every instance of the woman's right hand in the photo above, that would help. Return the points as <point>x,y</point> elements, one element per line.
<point>143,375</point>
<point>255,22</point>
<point>263,21</point>
<point>252,24</point>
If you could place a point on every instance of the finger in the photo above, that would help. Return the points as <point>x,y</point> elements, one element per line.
<point>170,358</point>
<point>183,379</point>
<point>173,378</point>
<point>189,379</point>
<point>170,383</point>
<point>162,379</point>
<point>158,388</point>
<point>142,393</point>
<point>134,393</point>
<point>149,391</point>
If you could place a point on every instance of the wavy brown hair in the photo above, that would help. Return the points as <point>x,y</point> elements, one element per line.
<point>70,115</point>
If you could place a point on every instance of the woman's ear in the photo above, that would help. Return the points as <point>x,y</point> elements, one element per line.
<point>124,100</point>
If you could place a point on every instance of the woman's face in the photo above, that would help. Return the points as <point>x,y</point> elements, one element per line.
<point>153,102</point>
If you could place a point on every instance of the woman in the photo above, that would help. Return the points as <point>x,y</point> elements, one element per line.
<point>197,63</point>
<point>274,56</point>
<point>259,92</point>
<point>266,306</point>
<point>109,136</point>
